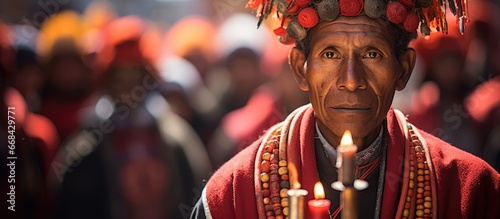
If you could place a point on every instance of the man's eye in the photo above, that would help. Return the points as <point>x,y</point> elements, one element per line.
<point>330,55</point>
<point>372,55</point>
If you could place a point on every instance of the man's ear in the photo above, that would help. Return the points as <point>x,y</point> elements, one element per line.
<point>297,62</point>
<point>408,60</point>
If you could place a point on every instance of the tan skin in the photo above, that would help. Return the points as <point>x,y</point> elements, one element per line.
<point>351,74</point>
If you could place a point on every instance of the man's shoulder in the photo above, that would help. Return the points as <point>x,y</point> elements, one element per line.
<point>445,156</point>
<point>233,183</point>
<point>242,163</point>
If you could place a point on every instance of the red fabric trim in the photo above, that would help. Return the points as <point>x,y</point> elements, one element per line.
<point>394,167</point>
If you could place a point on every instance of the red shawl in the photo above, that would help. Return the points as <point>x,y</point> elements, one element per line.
<point>464,185</point>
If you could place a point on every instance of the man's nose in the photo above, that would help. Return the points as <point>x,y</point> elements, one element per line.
<point>351,76</point>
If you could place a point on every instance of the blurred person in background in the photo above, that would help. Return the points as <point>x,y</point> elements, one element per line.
<point>69,82</point>
<point>483,105</point>
<point>27,77</point>
<point>438,104</point>
<point>186,60</point>
<point>135,158</point>
<point>268,105</point>
<point>239,47</point>
<point>444,105</point>
<point>30,138</point>
<point>483,68</point>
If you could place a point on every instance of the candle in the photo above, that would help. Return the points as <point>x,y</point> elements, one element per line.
<point>345,162</point>
<point>319,206</point>
<point>345,159</point>
<point>349,199</point>
<point>296,203</point>
<point>295,195</point>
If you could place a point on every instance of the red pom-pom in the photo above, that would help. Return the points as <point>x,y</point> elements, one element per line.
<point>302,3</point>
<point>411,22</point>
<point>280,31</point>
<point>293,9</point>
<point>350,8</point>
<point>308,18</point>
<point>396,12</point>
<point>408,3</point>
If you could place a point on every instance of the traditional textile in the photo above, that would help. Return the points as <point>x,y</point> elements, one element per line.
<point>463,186</point>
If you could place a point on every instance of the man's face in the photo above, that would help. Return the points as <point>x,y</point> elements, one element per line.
<point>351,74</point>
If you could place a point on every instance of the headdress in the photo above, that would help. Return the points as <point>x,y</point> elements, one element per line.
<point>298,16</point>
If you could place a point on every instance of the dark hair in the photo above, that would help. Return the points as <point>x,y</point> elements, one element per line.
<point>401,38</point>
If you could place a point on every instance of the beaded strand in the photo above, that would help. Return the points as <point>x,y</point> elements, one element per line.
<point>420,180</point>
<point>275,180</point>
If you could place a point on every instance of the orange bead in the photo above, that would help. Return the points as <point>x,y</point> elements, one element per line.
<point>284,202</point>
<point>406,213</point>
<point>282,170</point>
<point>284,177</point>
<point>420,178</point>
<point>420,190</point>
<point>264,177</point>
<point>286,211</point>
<point>420,172</point>
<point>284,193</point>
<point>264,166</point>
<point>282,163</point>
<point>266,156</point>
<point>268,149</point>
<point>428,205</point>
<point>407,205</point>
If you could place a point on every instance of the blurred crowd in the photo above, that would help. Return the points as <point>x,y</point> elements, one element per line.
<point>116,118</point>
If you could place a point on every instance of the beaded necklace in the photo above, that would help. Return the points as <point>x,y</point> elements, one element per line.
<point>274,178</point>
<point>419,193</point>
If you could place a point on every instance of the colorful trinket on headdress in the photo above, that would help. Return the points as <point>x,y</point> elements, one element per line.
<point>298,16</point>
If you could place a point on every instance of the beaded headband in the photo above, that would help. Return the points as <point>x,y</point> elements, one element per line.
<point>298,16</point>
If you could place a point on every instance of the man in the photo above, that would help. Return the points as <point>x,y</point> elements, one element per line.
<point>351,64</point>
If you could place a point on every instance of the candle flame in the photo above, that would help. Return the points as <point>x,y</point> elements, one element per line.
<point>319,191</point>
<point>346,138</point>
<point>293,176</point>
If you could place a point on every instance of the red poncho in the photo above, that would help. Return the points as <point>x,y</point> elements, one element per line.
<point>463,185</point>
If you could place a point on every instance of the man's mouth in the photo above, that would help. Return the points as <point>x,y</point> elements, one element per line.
<point>351,108</point>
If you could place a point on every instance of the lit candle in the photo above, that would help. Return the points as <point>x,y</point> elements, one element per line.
<point>295,195</point>
<point>319,206</point>
<point>345,159</point>
<point>345,162</point>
